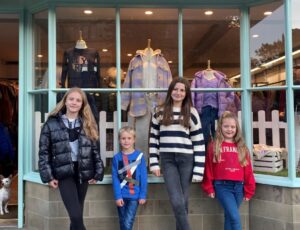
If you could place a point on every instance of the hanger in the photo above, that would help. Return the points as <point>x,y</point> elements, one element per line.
<point>80,44</point>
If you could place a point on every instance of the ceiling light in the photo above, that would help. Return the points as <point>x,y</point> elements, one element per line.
<point>88,12</point>
<point>129,55</point>
<point>170,62</point>
<point>148,12</point>
<point>208,12</point>
<point>104,50</point>
<point>40,55</point>
<point>255,35</point>
<point>268,13</point>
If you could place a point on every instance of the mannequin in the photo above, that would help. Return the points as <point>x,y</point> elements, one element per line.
<point>210,105</point>
<point>81,68</point>
<point>80,44</point>
<point>209,74</point>
<point>155,72</point>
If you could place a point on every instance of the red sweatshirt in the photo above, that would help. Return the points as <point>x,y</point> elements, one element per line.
<point>228,168</point>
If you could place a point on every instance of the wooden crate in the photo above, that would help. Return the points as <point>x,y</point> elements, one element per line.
<point>269,163</point>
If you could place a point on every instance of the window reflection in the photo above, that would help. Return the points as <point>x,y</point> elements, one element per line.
<point>267,44</point>
<point>39,117</point>
<point>40,47</point>
<point>209,36</point>
<point>269,132</point>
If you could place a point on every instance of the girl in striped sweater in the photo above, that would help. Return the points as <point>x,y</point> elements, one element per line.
<point>176,138</point>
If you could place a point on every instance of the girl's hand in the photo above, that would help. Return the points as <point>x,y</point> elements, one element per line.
<point>156,172</point>
<point>211,195</point>
<point>142,201</point>
<point>53,183</point>
<point>246,199</point>
<point>92,181</point>
<point>120,202</point>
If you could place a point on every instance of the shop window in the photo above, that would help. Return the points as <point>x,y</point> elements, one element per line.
<point>267,52</point>
<point>270,132</point>
<point>297,129</point>
<point>39,117</point>
<point>40,50</point>
<point>149,57</point>
<point>9,102</point>
<point>86,49</point>
<point>211,41</point>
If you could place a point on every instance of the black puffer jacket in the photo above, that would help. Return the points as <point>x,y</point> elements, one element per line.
<point>55,161</point>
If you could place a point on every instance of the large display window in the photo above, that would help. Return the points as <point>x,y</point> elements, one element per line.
<point>100,50</point>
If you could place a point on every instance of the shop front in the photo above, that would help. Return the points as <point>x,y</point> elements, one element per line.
<point>100,46</point>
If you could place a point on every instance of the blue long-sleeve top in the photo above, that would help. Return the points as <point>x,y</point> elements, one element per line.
<point>140,175</point>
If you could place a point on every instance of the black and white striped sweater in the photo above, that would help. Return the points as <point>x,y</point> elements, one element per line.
<point>175,138</point>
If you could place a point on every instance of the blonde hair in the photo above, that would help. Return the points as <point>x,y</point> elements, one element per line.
<point>127,129</point>
<point>88,121</point>
<point>238,139</point>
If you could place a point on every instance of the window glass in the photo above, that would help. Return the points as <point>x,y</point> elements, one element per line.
<point>40,48</point>
<point>267,44</point>
<point>86,49</point>
<point>270,143</point>
<point>211,41</point>
<point>9,111</point>
<point>149,55</point>
<point>39,117</point>
<point>296,77</point>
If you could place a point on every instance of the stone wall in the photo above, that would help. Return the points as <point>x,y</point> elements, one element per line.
<point>275,208</point>
<point>44,210</point>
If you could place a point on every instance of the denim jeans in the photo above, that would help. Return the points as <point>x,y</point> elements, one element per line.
<point>208,117</point>
<point>177,169</point>
<point>127,213</point>
<point>230,194</point>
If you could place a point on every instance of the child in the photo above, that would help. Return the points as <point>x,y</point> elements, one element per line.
<point>228,172</point>
<point>129,175</point>
<point>176,137</point>
<point>69,157</point>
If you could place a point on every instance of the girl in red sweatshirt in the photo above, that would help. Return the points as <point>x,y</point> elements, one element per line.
<point>228,174</point>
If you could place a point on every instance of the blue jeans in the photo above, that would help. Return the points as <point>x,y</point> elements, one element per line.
<point>230,194</point>
<point>208,117</point>
<point>127,213</point>
<point>177,169</point>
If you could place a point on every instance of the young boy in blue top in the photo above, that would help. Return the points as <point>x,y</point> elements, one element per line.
<point>129,175</point>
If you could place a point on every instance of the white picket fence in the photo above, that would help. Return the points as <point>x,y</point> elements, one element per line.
<point>261,125</point>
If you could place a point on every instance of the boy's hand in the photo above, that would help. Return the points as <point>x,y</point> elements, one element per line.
<point>120,202</point>
<point>142,201</point>
<point>246,199</point>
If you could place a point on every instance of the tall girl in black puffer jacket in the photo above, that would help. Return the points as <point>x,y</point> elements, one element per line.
<point>69,155</point>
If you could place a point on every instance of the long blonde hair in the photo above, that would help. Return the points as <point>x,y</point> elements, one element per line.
<point>238,139</point>
<point>88,121</point>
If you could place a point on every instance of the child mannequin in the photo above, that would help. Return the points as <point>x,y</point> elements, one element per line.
<point>228,172</point>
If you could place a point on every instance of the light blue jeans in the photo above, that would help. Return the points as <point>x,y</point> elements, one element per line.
<point>177,169</point>
<point>230,194</point>
<point>127,213</point>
